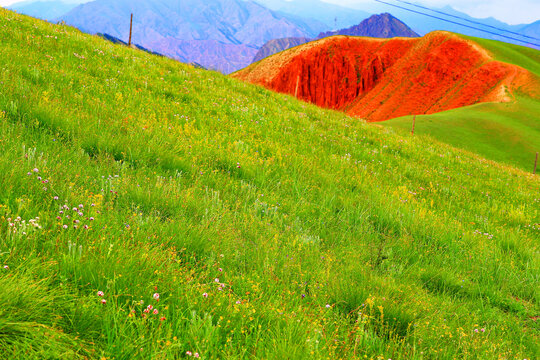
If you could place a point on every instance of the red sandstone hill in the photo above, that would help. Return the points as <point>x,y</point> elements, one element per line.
<point>380,79</point>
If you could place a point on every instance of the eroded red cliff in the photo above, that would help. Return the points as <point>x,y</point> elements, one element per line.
<point>380,79</point>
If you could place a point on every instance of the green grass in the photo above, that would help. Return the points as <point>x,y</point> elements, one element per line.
<point>329,237</point>
<point>504,132</point>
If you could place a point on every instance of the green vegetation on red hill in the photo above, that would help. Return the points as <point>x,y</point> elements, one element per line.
<point>151,210</point>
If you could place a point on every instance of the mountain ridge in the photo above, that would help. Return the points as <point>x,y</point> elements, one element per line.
<point>219,34</point>
<point>383,25</point>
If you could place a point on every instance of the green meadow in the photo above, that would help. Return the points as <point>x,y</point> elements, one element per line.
<point>151,210</point>
<point>505,132</point>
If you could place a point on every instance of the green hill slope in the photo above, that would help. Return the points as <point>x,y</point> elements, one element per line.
<point>268,227</point>
<point>505,132</point>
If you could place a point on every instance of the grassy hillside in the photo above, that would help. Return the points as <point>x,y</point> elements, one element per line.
<point>505,132</point>
<point>265,227</point>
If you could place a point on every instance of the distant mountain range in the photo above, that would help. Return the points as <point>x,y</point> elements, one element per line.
<point>423,24</point>
<point>532,30</point>
<point>226,35</point>
<point>219,34</point>
<point>377,26</point>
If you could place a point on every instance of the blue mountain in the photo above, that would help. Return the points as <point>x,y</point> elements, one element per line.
<point>219,34</point>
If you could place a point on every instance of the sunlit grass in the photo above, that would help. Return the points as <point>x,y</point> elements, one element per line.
<point>268,227</point>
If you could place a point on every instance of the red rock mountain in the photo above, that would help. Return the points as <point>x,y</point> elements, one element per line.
<point>380,79</point>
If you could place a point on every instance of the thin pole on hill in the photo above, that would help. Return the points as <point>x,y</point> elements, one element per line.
<point>130,29</point>
<point>413,124</point>
<point>535,163</point>
<point>297,83</point>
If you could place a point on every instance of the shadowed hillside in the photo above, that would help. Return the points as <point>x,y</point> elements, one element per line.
<point>274,46</point>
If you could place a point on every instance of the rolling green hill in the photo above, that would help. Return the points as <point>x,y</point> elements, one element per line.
<point>505,132</point>
<point>150,210</point>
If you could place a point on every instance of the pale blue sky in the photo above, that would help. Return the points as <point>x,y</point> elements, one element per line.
<point>510,11</point>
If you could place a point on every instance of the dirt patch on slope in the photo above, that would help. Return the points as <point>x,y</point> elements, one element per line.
<point>380,79</point>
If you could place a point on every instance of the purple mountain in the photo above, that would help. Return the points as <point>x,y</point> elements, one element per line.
<point>219,34</point>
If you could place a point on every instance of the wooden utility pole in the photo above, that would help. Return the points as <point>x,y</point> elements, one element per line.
<point>535,163</point>
<point>413,124</point>
<point>297,83</point>
<point>130,29</point>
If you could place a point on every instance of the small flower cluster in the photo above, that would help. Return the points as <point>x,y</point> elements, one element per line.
<point>220,286</point>
<point>195,355</point>
<point>18,225</point>
<point>101,294</point>
<point>35,171</point>
<point>481,330</point>
<point>478,232</point>
<point>74,215</point>
<point>149,310</point>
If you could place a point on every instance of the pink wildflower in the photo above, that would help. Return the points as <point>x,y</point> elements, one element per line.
<point>100,294</point>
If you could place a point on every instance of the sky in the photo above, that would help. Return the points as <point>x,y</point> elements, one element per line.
<point>509,11</point>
